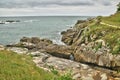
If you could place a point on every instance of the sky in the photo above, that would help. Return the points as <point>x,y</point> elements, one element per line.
<point>57,7</point>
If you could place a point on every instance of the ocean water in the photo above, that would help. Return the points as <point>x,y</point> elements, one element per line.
<point>36,26</point>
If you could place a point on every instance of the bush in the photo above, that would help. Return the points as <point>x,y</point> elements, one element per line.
<point>118,9</point>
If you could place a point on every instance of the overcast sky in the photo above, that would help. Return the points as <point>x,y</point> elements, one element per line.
<point>57,7</point>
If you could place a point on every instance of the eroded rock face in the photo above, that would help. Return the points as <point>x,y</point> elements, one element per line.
<point>90,48</point>
<point>67,37</point>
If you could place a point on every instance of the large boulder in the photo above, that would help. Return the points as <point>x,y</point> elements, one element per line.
<point>59,50</point>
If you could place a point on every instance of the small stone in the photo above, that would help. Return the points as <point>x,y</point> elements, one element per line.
<point>76,76</point>
<point>104,77</point>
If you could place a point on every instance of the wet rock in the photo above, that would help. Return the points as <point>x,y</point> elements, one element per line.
<point>35,40</point>
<point>25,39</point>
<point>80,21</point>
<point>68,36</point>
<point>9,21</point>
<point>47,41</point>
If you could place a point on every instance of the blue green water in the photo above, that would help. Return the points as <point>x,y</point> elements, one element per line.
<point>39,26</point>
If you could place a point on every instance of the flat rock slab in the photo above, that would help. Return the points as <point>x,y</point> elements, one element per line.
<point>78,70</point>
<point>18,50</point>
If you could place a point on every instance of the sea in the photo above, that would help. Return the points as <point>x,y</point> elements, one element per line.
<point>48,27</point>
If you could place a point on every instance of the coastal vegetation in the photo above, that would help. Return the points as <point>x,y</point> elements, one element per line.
<point>21,67</point>
<point>108,30</point>
<point>118,9</point>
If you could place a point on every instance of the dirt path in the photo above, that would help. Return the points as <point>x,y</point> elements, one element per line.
<point>109,25</point>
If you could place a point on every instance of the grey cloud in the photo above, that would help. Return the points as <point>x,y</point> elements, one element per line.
<point>46,3</point>
<point>103,2</point>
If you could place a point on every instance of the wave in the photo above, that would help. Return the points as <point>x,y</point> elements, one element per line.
<point>58,42</point>
<point>31,20</point>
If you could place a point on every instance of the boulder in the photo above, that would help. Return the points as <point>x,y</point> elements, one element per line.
<point>59,50</point>
<point>2,47</point>
<point>35,40</point>
<point>25,39</point>
<point>46,41</point>
<point>100,57</point>
<point>80,21</point>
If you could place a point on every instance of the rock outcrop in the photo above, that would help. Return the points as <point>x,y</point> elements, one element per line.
<point>9,21</point>
<point>90,47</point>
<point>47,56</point>
<point>77,70</point>
<point>43,45</point>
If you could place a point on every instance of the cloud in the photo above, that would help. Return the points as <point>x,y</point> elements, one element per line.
<point>47,3</point>
<point>103,2</point>
<point>57,7</point>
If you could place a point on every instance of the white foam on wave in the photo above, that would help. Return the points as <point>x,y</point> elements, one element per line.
<point>58,42</point>
<point>30,20</point>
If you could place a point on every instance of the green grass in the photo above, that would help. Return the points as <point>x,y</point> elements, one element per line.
<point>113,19</point>
<point>20,67</point>
<point>111,36</point>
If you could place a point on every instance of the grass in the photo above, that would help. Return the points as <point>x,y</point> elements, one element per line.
<point>113,19</point>
<point>20,67</point>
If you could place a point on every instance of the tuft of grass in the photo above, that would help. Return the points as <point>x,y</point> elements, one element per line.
<point>20,67</point>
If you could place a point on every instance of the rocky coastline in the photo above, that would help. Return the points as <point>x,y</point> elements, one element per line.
<point>9,21</point>
<point>92,58</point>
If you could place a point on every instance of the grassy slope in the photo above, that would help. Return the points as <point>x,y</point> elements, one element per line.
<point>112,35</point>
<point>20,67</point>
<point>113,19</point>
